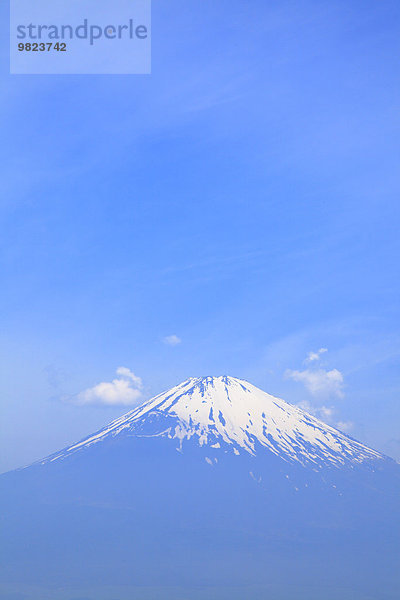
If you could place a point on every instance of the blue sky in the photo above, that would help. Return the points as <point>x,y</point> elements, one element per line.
<point>243,198</point>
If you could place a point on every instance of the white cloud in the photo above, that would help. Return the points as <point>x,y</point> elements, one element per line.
<point>323,412</point>
<point>172,340</point>
<point>319,382</point>
<point>124,390</point>
<point>125,372</point>
<point>344,425</point>
<point>324,386</point>
<point>326,412</point>
<point>315,355</point>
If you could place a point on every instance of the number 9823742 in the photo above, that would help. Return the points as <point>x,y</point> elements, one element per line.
<point>42,47</point>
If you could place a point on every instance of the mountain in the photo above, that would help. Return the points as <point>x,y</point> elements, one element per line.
<point>237,416</point>
<point>213,489</point>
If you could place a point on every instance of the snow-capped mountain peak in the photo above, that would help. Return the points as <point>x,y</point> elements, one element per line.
<point>232,414</point>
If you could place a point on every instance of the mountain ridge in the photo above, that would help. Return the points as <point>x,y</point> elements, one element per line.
<point>232,413</point>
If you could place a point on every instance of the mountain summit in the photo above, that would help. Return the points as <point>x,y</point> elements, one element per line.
<point>211,490</point>
<point>232,414</point>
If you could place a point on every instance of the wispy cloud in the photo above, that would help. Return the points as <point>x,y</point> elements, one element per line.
<point>345,426</point>
<point>320,382</point>
<point>124,390</point>
<point>324,386</point>
<point>172,340</point>
<point>312,356</point>
<point>322,412</point>
<point>326,414</point>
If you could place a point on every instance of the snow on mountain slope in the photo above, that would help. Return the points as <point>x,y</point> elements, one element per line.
<point>229,413</point>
